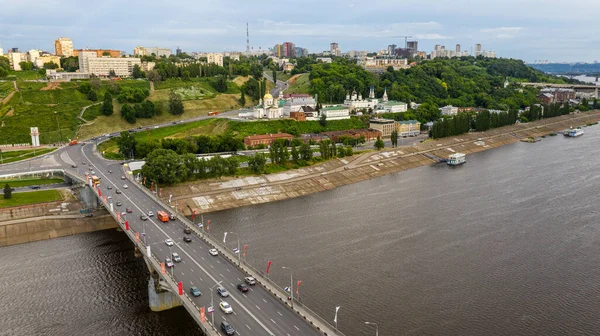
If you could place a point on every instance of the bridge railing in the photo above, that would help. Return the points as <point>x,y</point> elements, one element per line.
<point>272,287</point>
<point>189,305</point>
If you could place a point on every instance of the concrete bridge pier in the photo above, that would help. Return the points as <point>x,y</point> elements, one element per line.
<point>88,196</point>
<point>159,297</point>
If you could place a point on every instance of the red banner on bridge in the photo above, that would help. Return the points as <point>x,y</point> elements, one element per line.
<point>126,225</point>
<point>202,315</point>
<point>162,268</point>
<point>137,236</point>
<point>268,266</point>
<point>245,248</point>
<point>180,287</point>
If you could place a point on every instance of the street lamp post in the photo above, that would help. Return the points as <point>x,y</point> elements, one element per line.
<point>291,284</point>
<point>376,327</point>
<point>238,248</point>
<point>212,314</point>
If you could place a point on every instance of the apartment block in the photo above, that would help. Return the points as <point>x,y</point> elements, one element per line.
<point>89,62</point>
<point>63,46</point>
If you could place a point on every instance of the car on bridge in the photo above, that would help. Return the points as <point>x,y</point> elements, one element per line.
<point>213,252</point>
<point>225,307</point>
<point>227,328</point>
<point>243,287</point>
<point>150,214</point>
<point>187,230</point>
<point>222,291</point>
<point>144,217</point>
<point>109,187</point>
<point>169,263</point>
<point>118,191</point>
<point>195,291</point>
<point>187,239</point>
<point>125,186</point>
<point>128,210</point>
<point>122,177</point>
<point>250,280</point>
<point>169,242</point>
<point>176,257</point>
<point>119,203</point>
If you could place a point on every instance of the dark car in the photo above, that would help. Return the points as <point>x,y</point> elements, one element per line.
<point>73,166</point>
<point>128,210</point>
<point>34,187</point>
<point>227,328</point>
<point>242,287</point>
<point>187,239</point>
<point>187,231</point>
<point>109,187</point>
<point>89,215</point>
<point>118,191</point>
<point>143,217</point>
<point>119,203</point>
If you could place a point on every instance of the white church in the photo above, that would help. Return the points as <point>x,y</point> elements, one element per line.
<point>356,102</point>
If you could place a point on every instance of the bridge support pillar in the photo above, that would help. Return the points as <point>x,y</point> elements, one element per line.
<point>160,299</point>
<point>88,196</point>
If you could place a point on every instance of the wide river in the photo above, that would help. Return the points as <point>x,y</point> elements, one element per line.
<point>507,244</point>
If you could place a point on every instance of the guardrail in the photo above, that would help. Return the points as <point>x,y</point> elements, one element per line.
<point>273,288</point>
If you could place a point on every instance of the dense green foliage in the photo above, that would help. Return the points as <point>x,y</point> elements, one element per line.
<point>4,66</point>
<point>293,127</point>
<point>464,82</point>
<point>7,191</point>
<point>107,104</point>
<point>175,104</point>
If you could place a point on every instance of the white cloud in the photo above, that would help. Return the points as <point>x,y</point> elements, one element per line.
<point>503,32</point>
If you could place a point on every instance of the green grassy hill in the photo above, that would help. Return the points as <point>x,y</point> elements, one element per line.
<point>299,84</point>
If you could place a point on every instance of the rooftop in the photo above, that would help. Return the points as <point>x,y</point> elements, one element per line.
<point>382,121</point>
<point>334,108</point>
<point>405,122</point>
<point>268,136</point>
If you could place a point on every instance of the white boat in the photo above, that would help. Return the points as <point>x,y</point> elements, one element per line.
<point>456,159</point>
<point>574,132</point>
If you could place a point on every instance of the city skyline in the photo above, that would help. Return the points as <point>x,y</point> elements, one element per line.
<point>555,32</point>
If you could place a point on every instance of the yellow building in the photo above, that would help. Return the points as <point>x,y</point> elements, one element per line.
<point>41,60</point>
<point>215,59</point>
<point>409,128</point>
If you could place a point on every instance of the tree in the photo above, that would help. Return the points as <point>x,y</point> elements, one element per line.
<point>84,87</point>
<point>50,65</point>
<point>7,191</point>
<point>243,99</point>
<point>137,72</point>
<point>394,138</point>
<point>295,154</point>
<point>26,65</point>
<point>105,53</point>
<point>112,73</point>
<point>305,152</point>
<point>164,166</point>
<point>153,76</point>
<point>323,120</point>
<point>107,104</point>
<point>127,144</point>
<point>220,84</point>
<point>175,104</point>
<point>379,143</point>
<point>92,95</point>
<point>257,163</point>
<point>143,148</point>
<point>275,77</point>
<point>349,151</point>
<point>128,113</point>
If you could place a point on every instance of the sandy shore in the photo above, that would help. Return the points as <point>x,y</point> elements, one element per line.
<point>214,195</point>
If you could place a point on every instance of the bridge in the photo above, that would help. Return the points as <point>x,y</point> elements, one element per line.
<point>264,310</point>
<point>590,89</point>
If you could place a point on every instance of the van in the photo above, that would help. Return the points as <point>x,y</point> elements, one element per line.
<point>162,216</point>
<point>227,328</point>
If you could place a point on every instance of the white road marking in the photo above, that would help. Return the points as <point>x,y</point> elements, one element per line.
<point>221,275</point>
<point>280,314</point>
<point>228,270</point>
<point>247,326</point>
<point>265,300</point>
<point>273,321</point>
<point>211,266</point>
<point>257,307</point>
<point>297,328</point>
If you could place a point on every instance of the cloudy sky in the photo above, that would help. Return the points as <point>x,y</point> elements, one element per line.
<point>555,30</point>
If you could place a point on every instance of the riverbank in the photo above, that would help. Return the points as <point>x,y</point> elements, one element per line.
<point>215,195</point>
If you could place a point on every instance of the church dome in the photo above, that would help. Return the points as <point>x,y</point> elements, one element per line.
<point>267,96</point>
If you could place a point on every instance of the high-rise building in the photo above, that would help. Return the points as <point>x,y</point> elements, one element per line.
<point>63,46</point>
<point>391,48</point>
<point>289,49</point>
<point>100,52</point>
<point>334,49</point>
<point>278,50</point>
<point>177,51</point>
<point>412,45</point>
<point>478,49</point>
<point>458,48</point>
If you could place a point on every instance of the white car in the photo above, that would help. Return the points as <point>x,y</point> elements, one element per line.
<point>150,214</point>
<point>225,307</point>
<point>168,263</point>
<point>169,242</point>
<point>176,257</point>
<point>213,252</point>
<point>125,186</point>
<point>250,280</point>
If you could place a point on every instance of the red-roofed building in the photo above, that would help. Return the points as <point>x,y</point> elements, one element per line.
<point>296,95</point>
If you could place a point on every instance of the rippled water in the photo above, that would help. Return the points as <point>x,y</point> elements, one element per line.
<point>507,244</point>
<point>88,284</point>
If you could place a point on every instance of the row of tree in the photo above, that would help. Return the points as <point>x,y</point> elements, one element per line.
<point>165,166</point>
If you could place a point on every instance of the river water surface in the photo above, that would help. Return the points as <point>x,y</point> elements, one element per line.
<point>507,244</point>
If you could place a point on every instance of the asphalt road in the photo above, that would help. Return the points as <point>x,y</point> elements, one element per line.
<point>255,312</point>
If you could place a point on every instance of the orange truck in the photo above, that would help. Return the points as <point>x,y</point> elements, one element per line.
<point>162,216</point>
<point>74,142</point>
<point>213,113</point>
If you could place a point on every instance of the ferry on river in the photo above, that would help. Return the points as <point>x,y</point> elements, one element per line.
<point>456,159</point>
<point>573,132</point>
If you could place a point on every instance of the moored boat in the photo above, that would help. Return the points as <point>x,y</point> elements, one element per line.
<point>456,159</point>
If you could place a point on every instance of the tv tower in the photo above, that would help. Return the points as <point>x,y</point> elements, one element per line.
<point>247,39</point>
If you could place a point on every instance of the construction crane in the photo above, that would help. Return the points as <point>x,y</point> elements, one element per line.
<point>405,40</point>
